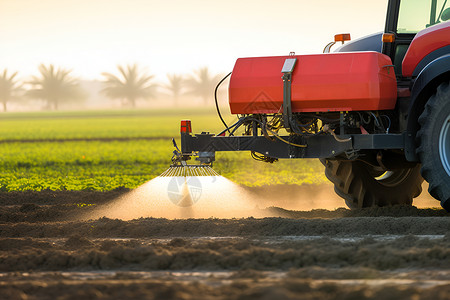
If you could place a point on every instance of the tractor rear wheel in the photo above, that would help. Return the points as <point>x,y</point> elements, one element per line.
<point>362,185</point>
<point>434,144</point>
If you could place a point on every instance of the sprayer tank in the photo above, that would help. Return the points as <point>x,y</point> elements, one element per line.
<point>356,81</point>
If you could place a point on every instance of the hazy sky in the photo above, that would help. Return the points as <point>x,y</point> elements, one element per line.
<point>93,36</point>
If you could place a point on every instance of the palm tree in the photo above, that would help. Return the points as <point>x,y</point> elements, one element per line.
<point>54,85</point>
<point>202,83</point>
<point>9,88</point>
<point>175,86</point>
<point>130,87</point>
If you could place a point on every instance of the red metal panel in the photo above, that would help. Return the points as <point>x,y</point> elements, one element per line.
<point>320,83</point>
<point>425,42</point>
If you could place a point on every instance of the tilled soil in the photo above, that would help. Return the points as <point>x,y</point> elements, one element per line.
<point>50,250</point>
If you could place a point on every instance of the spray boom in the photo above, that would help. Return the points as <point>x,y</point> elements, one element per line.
<point>179,166</point>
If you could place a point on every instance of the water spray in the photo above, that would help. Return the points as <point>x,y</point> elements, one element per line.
<point>184,171</point>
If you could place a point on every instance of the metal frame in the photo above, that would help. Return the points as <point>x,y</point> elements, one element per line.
<point>287,70</point>
<point>318,146</point>
<point>400,39</point>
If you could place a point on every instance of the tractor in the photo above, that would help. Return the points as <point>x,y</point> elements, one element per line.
<point>376,111</point>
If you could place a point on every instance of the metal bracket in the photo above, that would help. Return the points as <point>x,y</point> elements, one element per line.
<point>388,66</point>
<point>177,158</point>
<point>206,158</point>
<point>341,123</point>
<point>327,48</point>
<point>288,68</point>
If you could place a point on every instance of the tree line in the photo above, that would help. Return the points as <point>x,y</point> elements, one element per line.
<point>56,85</point>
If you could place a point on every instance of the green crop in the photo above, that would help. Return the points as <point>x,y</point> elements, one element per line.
<point>104,124</point>
<point>108,150</point>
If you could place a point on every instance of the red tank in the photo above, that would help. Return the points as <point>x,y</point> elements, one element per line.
<point>354,81</point>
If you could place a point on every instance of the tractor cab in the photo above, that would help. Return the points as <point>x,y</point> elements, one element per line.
<point>405,19</point>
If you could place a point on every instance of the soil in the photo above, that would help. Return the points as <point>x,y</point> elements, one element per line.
<point>51,249</point>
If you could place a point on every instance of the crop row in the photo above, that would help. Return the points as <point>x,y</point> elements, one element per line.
<point>90,151</point>
<point>93,165</point>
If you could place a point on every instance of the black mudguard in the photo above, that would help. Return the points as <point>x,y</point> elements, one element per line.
<point>423,87</point>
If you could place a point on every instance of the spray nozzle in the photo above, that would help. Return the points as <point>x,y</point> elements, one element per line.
<point>179,166</point>
<point>206,158</point>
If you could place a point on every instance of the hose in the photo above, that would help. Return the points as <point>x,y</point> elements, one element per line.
<point>327,129</point>
<point>217,104</point>
<point>284,141</point>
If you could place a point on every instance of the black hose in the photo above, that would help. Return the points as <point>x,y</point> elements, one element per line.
<point>237,124</point>
<point>217,104</point>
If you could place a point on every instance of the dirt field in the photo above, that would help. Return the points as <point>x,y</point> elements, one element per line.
<point>51,249</point>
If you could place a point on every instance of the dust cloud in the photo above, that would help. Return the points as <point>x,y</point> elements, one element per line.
<point>217,197</point>
<point>183,197</point>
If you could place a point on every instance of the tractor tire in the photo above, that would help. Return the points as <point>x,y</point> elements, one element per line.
<point>362,186</point>
<point>433,140</point>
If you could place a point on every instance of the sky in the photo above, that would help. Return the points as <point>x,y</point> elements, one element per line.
<point>172,36</point>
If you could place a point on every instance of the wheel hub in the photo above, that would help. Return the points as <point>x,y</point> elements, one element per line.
<point>444,145</point>
<point>393,178</point>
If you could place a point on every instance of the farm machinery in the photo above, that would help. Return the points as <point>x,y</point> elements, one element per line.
<point>376,112</point>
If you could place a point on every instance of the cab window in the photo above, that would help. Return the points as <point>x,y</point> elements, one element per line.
<point>415,15</point>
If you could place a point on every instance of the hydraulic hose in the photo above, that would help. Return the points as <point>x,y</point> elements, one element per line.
<point>217,104</point>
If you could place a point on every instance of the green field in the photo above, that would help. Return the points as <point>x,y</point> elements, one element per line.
<point>105,150</point>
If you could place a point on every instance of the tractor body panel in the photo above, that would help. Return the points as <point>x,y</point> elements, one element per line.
<point>370,42</point>
<point>356,81</point>
<point>424,43</point>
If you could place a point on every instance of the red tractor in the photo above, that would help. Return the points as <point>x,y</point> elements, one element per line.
<point>376,112</point>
